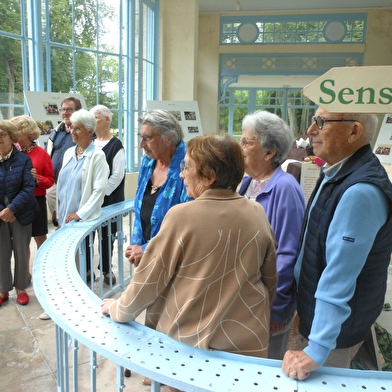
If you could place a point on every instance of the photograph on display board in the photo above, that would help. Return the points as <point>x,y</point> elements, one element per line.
<point>176,114</point>
<point>45,127</point>
<point>44,107</point>
<point>383,149</point>
<point>51,108</point>
<point>193,129</point>
<point>190,116</point>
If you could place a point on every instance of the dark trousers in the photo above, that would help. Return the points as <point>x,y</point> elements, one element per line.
<point>107,246</point>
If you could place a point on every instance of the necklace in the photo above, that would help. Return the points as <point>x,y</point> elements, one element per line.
<point>153,188</point>
<point>255,187</point>
<point>31,148</point>
<point>80,151</point>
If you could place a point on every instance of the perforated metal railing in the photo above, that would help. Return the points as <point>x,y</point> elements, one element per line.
<point>75,309</point>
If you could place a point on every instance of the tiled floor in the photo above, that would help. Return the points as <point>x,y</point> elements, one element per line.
<point>28,352</point>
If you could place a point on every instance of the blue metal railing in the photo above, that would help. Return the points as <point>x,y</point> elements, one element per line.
<point>75,308</point>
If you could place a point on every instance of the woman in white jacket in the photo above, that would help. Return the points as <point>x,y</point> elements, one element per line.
<point>82,181</point>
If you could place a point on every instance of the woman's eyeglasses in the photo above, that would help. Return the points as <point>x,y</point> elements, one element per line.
<point>184,166</point>
<point>245,142</point>
<point>146,138</point>
<point>320,121</point>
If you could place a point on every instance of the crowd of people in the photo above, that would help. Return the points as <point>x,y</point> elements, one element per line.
<point>225,253</point>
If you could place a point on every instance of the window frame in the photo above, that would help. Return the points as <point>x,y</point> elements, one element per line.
<point>137,56</point>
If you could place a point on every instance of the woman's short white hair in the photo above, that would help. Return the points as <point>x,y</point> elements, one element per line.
<point>85,118</point>
<point>103,110</point>
<point>272,131</point>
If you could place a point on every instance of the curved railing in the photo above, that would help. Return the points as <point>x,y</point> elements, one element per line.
<point>75,308</point>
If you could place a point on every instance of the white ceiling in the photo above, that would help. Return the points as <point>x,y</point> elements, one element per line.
<point>223,6</point>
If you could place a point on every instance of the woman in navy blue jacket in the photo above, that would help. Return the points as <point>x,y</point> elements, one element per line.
<point>18,208</point>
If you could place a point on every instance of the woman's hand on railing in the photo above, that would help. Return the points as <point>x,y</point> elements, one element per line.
<point>71,217</point>
<point>134,254</point>
<point>105,305</point>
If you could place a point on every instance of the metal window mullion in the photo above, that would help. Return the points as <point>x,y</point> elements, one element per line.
<point>252,100</point>
<point>150,55</point>
<point>34,39</point>
<point>25,64</point>
<point>73,48</point>
<point>48,48</point>
<point>128,20</point>
<point>97,73</point>
<point>155,46</point>
<point>120,74</point>
<point>231,112</point>
<point>140,81</point>
<point>140,103</point>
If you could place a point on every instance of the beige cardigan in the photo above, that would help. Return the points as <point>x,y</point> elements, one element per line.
<point>208,278</point>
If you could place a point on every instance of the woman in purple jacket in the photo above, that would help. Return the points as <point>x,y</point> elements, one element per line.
<point>266,140</point>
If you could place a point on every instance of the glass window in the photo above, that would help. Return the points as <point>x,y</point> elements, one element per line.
<point>287,103</point>
<point>295,29</point>
<point>102,49</point>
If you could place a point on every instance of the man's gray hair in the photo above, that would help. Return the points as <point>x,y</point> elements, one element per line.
<point>369,122</point>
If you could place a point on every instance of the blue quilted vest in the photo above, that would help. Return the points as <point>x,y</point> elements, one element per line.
<point>367,301</point>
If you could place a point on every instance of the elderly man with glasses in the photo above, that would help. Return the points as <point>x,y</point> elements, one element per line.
<point>345,247</point>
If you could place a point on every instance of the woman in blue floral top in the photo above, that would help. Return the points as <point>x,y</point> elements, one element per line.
<point>159,184</point>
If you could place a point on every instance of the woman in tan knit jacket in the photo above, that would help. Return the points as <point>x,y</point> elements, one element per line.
<point>208,278</point>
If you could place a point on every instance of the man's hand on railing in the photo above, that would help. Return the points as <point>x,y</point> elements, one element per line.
<point>297,365</point>
<point>134,254</point>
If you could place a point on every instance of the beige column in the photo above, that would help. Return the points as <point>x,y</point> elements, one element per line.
<point>208,72</point>
<point>179,49</point>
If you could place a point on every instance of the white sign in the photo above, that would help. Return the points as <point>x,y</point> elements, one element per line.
<point>353,89</point>
<point>310,172</point>
<point>383,146</point>
<point>44,108</point>
<point>187,114</point>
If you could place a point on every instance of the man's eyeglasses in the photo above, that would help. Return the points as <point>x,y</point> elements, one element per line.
<point>245,142</point>
<point>146,138</point>
<point>320,121</point>
<point>67,110</point>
